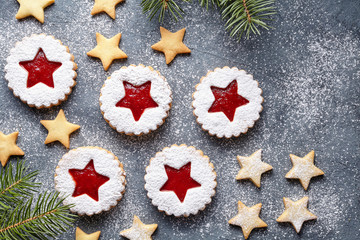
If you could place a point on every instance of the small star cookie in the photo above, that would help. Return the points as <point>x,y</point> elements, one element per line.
<point>59,129</point>
<point>171,44</point>
<point>81,235</point>
<point>296,213</point>
<point>107,6</point>
<point>107,50</point>
<point>33,8</point>
<point>304,169</point>
<point>8,147</point>
<point>139,230</point>
<point>248,218</point>
<point>252,167</point>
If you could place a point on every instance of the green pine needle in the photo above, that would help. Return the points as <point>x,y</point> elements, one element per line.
<point>162,7</point>
<point>15,185</point>
<point>47,219</point>
<point>206,3</point>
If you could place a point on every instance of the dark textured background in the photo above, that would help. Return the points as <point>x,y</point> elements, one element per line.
<point>308,68</point>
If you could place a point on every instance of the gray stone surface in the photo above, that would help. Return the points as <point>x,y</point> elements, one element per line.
<point>308,68</point>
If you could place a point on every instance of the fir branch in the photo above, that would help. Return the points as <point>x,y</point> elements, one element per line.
<point>246,16</point>
<point>206,3</point>
<point>46,220</point>
<point>161,7</point>
<point>15,186</point>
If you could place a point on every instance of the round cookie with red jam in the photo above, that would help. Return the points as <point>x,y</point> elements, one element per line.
<point>180,180</point>
<point>135,100</point>
<point>227,102</point>
<point>91,178</point>
<point>41,71</point>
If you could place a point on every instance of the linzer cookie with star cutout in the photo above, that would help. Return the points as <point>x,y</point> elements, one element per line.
<point>227,102</point>
<point>180,180</point>
<point>91,178</point>
<point>41,71</point>
<point>135,100</point>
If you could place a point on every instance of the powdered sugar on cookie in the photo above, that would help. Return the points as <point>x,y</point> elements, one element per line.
<point>40,95</point>
<point>202,172</point>
<point>217,123</point>
<point>106,164</point>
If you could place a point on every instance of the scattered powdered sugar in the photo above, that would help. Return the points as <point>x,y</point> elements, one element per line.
<point>105,163</point>
<point>202,171</point>
<point>245,116</point>
<point>40,95</point>
<point>122,118</point>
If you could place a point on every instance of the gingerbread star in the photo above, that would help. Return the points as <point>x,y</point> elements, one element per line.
<point>171,44</point>
<point>248,218</point>
<point>139,230</point>
<point>81,235</point>
<point>107,50</point>
<point>8,147</point>
<point>252,167</point>
<point>33,8</point>
<point>296,213</point>
<point>304,169</point>
<point>107,6</point>
<point>59,129</point>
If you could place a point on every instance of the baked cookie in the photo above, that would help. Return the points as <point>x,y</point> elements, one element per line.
<point>180,180</point>
<point>91,178</point>
<point>107,6</point>
<point>135,100</point>
<point>139,230</point>
<point>8,147</point>
<point>33,8</point>
<point>227,102</point>
<point>81,235</point>
<point>41,71</point>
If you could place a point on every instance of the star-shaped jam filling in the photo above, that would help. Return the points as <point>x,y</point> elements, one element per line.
<point>227,100</point>
<point>179,181</point>
<point>137,99</point>
<point>87,181</point>
<point>40,70</point>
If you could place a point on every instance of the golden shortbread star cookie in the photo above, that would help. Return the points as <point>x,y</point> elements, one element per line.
<point>171,44</point>
<point>81,235</point>
<point>59,129</point>
<point>296,213</point>
<point>107,6</point>
<point>33,8</point>
<point>304,169</point>
<point>8,147</point>
<point>252,167</point>
<point>139,230</point>
<point>248,218</point>
<point>107,50</point>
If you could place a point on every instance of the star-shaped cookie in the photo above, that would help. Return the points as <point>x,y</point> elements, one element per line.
<point>59,129</point>
<point>139,230</point>
<point>304,169</point>
<point>252,167</point>
<point>107,50</point>
<point>171,44</point>
<point>8,147</point>
<point>33,8</point>
<point>248,218</point>
<point>81,235</point>
<point>107,6</point>
<point>296,213</point>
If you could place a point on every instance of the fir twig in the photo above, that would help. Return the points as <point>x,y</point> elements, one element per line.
<point>14,186</point>
<point>206,3</point>
<point>161,7</point>
<point>46,220</point>
<point>246,16</point>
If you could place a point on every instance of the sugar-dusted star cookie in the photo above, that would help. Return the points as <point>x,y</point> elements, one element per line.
<point>33,8</point>
<point>139,230</point>
<point>252,167</point>
<point>59,129</point>
<point>8,147</point>
<point>81,235</point>
<point>107,50</point>
<point>171,44</point>
<point>304,169</point>
<point>296,213</point>
<point>107,6</point>
<point>248,218</point>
